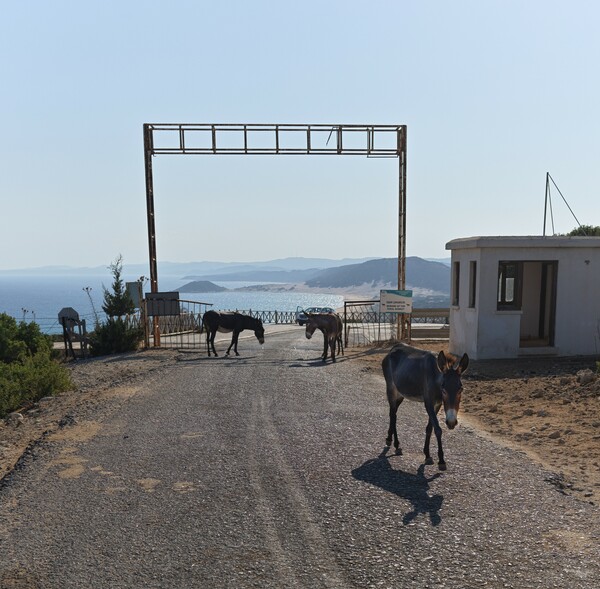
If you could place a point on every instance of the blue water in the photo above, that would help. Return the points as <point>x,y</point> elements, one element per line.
<point>40,298</point>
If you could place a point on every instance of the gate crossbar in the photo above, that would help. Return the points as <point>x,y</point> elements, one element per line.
<point>264,139</point>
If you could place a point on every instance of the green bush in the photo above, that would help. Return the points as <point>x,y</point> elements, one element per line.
<point>116,335</point>
<point>27,370</point>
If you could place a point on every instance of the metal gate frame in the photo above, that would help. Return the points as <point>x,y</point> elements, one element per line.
<point>204,139</point>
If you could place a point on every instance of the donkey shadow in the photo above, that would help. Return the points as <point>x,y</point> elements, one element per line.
<point>413,487</point>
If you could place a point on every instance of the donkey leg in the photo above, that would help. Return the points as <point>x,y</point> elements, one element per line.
<point>233,344</point>
<point>438,435</point>
<point>434,425</point>
<point>325,344</point>
<point>392,431</point>
<point>428,430</point>
<point>212,343</point>
<point>332,348</point>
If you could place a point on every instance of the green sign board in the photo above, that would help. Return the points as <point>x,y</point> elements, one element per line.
<point>395,301</point>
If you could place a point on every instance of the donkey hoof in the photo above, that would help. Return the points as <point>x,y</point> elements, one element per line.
<point>398,451</point>
<point>442,466</point>
<point>429,460</point>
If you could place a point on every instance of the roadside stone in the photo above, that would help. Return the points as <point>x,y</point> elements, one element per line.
<point>554,435</point>
<point>585,376</point>
<point>14,419</point>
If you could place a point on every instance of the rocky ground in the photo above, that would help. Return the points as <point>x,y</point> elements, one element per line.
<point>545,407</point>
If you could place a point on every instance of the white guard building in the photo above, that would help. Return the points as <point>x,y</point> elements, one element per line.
<point>518,296</point>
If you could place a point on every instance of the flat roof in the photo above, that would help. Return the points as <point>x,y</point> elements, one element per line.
<point>523,241</point>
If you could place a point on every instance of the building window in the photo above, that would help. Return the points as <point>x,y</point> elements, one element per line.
<point>455,283</point>
<point>510,282</point>
<point>472,284</point>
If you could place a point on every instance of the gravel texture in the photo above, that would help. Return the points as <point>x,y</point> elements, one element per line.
<point>269,470</point>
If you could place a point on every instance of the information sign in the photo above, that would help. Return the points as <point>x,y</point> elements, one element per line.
<point>396,301</point>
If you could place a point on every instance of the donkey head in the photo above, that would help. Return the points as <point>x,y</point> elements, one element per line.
<point>311,325</point>
<point>259,332</point>
<point>451,385</point>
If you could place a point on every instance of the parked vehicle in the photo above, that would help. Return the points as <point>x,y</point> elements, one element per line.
<point>301,313</point>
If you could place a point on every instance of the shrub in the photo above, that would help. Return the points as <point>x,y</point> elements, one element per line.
<point>27,370</point>
<point>585,230</point>
<point>116,335</point>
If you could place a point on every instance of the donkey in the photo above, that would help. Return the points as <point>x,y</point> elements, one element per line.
<point>213,321</point>
<point>417,374</point>
<point>331,326</point>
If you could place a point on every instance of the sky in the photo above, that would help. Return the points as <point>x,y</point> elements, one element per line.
<point>494,94</point>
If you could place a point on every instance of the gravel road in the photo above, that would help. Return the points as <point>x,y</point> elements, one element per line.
<point>269,471</point>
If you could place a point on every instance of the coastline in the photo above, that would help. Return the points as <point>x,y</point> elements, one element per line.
<point>361,292</point>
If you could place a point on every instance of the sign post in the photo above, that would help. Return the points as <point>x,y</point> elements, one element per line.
<point>397,301</point>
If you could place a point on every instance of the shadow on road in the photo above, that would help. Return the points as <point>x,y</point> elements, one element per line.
<point>413,487</point>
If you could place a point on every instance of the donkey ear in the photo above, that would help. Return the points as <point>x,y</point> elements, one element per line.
<point>463,364</point>
<point>442,362</point>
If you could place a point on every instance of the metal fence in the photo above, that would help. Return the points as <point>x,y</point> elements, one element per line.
<point>364,324</point>
<point>179,325</point>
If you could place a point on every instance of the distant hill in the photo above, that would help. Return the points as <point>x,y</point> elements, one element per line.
<point>201,286</point>
<point>420,273</point>
<point>262,275</point>
<point>190,270</point>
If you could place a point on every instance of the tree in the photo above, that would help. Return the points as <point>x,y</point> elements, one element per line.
<point>117,303</point>
<point>119,333</point>
<point>585,230</point>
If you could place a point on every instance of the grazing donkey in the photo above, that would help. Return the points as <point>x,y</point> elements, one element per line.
<point>417,374</point>
<point>332,327</point>
<point>213,321</point>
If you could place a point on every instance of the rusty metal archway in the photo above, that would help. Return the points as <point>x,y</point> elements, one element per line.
<point>267,139</point>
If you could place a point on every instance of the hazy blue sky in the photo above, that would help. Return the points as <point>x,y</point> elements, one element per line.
<point>495,93</point>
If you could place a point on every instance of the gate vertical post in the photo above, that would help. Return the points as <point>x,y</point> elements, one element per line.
<point>148,148</point>
<point>401,323</point>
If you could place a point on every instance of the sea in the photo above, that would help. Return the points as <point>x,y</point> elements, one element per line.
<point>40,298</point>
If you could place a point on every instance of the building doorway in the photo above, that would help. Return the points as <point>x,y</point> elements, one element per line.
<point>538,300</point>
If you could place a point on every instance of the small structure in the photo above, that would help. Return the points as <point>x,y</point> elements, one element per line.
<point>73,331</point>
<point>519,296</point>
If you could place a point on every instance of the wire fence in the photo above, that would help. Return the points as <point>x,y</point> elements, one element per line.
<point>178,325</point>
<point>365,325</point>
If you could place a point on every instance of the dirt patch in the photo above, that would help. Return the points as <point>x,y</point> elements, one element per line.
<point>536,405</point>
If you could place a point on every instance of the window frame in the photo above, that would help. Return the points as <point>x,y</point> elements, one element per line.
<point>509,269</point>
<point>456,284</point>
<point>472,284</point>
